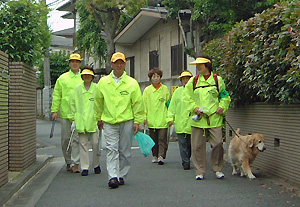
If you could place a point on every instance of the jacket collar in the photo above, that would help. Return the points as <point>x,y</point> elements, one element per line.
<point>111,79</point>
<point>71,74</point>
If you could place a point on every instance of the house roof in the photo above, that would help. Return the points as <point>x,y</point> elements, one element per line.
<point>69,15</point>
<point>140,24</point>
<point>68,6</point>
<point>65,33</point>
<point>62,42</point>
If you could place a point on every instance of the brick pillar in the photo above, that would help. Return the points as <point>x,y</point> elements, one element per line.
<point>22,116</point>
<point>3,118</point>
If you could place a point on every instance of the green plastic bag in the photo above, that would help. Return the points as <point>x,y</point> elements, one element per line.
<point>145,143</point>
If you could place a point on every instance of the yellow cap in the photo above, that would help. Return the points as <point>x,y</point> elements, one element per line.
<point>75,56</point>
<point>118,56</point>
<point>185,74</point>
<point>87,72</point>
<point>200,60</point>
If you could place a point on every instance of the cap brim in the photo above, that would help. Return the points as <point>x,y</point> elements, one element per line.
<point>198,62</point>
<point>118,59</point>
<point>185,76</point>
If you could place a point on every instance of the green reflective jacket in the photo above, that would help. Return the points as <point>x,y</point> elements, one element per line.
<point>116,104</point>
<point>62,92</point>
<point>178,113</point>
<point>155,106</point>
<point>82,108</point>
<point>208,98</point>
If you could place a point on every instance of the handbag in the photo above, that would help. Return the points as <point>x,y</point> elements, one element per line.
<point>145,143</point>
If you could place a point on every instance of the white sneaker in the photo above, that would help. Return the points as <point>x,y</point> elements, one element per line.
<point>154,159</point>
<point>161,160</point>
<point>219,175</point>
<point>199,177</point>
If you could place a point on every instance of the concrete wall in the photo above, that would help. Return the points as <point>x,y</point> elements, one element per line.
<point>280,124</point>
<point>3,118</point>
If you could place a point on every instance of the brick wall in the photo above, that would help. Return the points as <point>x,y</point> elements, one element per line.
<point>3,118</point>
<point>22,116</point>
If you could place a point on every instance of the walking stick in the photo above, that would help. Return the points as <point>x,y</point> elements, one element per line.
<point>52,128</point>
<point>71,140</point>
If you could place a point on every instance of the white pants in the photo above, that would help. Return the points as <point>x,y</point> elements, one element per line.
<point>72,156</point>
<point>118,145</point>
<point>84,150</point>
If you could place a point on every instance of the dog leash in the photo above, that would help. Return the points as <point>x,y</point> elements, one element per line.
<point>232,128</point>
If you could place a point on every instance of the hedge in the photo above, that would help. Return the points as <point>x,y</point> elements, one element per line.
<point>259,58</point>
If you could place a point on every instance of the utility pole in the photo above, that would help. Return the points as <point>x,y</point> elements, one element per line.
<point>47,93</point>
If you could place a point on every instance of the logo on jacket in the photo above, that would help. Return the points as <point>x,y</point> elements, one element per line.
<point>124,93</point>
<point>162,99</point>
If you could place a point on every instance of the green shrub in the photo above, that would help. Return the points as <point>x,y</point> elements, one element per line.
<point>59,64</point>
<point>259,58</point>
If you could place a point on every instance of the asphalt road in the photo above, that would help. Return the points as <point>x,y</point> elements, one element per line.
<point>147,184</point>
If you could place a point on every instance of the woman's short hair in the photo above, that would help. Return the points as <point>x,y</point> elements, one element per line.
<point>208,65</point>
<point>87,67</point>
<point>153,71</point>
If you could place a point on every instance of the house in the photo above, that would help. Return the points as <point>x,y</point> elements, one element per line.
<point>151,40</point>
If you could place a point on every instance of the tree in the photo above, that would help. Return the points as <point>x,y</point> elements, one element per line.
<point>211,18</point>
<point>88,37</point>
<point>58,65</point>
<point>109,14</point>
<point>24,31</point>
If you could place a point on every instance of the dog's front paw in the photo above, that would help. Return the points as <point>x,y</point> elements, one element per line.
<point>252,177</point>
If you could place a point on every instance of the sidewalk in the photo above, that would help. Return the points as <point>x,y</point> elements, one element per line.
<point>18,179</point>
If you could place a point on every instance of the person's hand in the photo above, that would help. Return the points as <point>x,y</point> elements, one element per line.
<point>135,128</point>
<point>100,125</point>
<point>54,116</point>
<point>197,111</point>
<point>73,126</point>
<point>145,122</point>
<point>219,110</point>
<point>170,123</point>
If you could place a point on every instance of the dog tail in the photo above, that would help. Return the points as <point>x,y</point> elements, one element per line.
<point>238,131</point>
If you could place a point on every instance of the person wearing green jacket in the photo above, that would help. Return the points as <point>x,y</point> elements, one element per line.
<point>119,111</point>
<point>209,101</point>
<point>156,99</point>
<point>82,113</point>
<point>179,115</point>
<point>62,92</point>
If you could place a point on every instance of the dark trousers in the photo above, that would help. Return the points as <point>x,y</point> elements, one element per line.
<point>159,137</point>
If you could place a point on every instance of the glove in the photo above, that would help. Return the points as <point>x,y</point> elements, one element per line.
<point>73,126</point>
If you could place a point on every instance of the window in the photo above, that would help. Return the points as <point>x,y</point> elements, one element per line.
<point>131,66</point>
<point>153,59</point>
<point>178,59</point>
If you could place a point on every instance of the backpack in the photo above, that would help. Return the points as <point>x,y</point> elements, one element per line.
<point>196,80</point>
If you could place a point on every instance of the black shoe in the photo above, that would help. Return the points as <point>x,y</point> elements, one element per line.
<point>121,181</point>
<point>113,183</point>
<point>186,167</point>
<point>84,172</point>
<point>97,170</point>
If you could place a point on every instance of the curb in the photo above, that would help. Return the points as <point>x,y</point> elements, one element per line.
<point>9,189</point>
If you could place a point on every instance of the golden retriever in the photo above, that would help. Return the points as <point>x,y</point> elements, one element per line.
<point>243,150</point>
